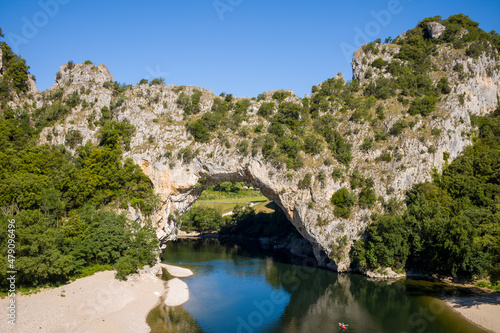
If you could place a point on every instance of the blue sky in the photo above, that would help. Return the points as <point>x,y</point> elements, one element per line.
<point>243,47</point>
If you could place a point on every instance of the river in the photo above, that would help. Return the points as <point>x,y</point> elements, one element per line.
<point>242,287</point>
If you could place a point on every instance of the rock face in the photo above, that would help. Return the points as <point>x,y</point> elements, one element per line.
<point>362,60</point>
<point>32,85</point>
<point>435,29</point>
<point>161,145</point>
<point>85,73</point>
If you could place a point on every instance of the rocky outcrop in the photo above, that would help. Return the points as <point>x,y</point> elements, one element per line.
<point>161,145</point>
<point>32,88</point>
<point>386,273</point>
<point>435,29</point>
<point>85,73</point>
<point>362,60</point>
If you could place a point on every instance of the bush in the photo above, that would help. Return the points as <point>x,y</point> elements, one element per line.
<point>380,112</point>
<point>305,182</point>
<point>381,135</point>
<point>190,104</point>
<point>201,219</point>
<point>398,127</point>
<point>436,132</point>
<point>367,144</point>
<point>475,50</point>
<point>187,155</point>
<point>88,62</point>
<point>74,138</point>
<point>459,68</point>
<point>112,131</point>
<point>383,88</point>
<point>337,173</point>
<point>125,266</point>
<point>158,80</point>
<point>339,146</point>
<point>343,201</point>
<point>199,130</point>
<point>379,63</point>
<point>242,106</point>
<point>367,198</point>
<point>243,147</point>
<point>423,105</point>
<point>443,86</point>
<point>266,109</point>
<point>74,100</point>
<point>259,128</point>
<point>385,157</point>
<point>328,161</point>
<point>313,145</point>
<point>281,95</point>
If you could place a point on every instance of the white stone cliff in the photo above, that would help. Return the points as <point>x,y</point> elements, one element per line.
<point>160,129</point>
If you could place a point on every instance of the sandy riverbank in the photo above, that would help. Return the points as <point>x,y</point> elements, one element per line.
<point>481,310</point>
<point>97,303</point>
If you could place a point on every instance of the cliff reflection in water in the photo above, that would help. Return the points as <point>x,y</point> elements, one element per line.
<point>240,287</point>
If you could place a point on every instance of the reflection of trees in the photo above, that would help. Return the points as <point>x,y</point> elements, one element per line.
<point>172,319</point>
<point>242,253</point>
<point>320,299</point>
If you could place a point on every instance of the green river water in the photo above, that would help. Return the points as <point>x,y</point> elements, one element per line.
<point>241,287</point>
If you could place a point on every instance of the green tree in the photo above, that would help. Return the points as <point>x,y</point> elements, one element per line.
<point>343,201</point>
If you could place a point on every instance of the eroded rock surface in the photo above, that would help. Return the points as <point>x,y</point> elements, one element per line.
<point>160,143</point>
<point>435,29</point>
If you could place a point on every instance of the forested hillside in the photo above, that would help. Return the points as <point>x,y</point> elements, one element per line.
<point>64,205</point>
<point>335,162</point>
<point>451,226</point>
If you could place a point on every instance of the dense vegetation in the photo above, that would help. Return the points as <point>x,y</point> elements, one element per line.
<point>15,73</point>
<point>452,225</point>
<point>297,127</point>
<point>63,200</point>
<point>63,203</point>
<point>289,120</point>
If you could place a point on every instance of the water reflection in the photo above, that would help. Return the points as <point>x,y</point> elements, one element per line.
<point>239,287</point>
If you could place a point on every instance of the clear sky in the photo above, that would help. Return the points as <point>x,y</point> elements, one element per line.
<point>243,47</point>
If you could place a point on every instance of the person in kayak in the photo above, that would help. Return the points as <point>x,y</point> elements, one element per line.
<point>343,326</point>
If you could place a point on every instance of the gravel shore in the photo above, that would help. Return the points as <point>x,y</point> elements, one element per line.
<point>481,310</point>
<point>97,303</point>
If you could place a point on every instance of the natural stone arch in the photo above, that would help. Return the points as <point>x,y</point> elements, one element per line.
<point>180,188</point>
<point>160,126</point>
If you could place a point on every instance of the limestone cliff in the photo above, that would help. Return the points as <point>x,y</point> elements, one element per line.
<point>179,175</point>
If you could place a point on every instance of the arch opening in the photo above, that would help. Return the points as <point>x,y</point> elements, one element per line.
<point>236,207</point>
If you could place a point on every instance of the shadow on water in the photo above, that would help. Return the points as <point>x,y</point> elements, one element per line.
<point>241,287</point>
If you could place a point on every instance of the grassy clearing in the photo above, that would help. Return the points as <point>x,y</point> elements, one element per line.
<point>267,207</point>
<point>225,202</point>
<point>224,196</point>
<point>220,207</point>
<point>260,198</point>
